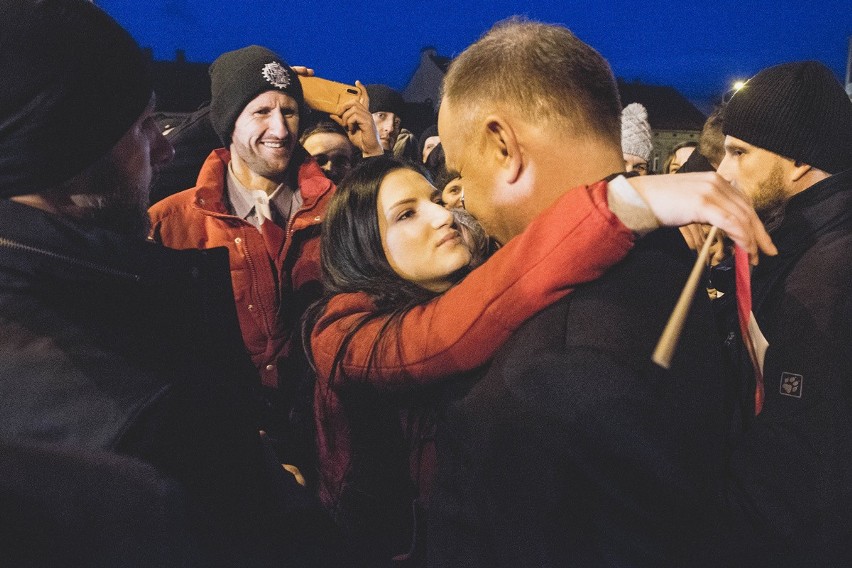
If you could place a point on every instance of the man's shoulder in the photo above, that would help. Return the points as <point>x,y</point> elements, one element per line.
<point>315,188</point>
<point>175,204</point>
<point>611,326</point>
<point>60,382</point>
<point>183,219</point>
<point>817,290</point>
<point>830,254</point>
<point>624,310</point>
<point>821,278</point>
<point>209,189</point>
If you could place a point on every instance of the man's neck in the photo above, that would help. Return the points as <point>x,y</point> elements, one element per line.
<point>251,180</point>
<point>581,161</point>
<point>563,166</point>
<point>811,178</point>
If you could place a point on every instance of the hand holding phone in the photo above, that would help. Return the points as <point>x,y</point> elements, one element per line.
<point>324,95</point>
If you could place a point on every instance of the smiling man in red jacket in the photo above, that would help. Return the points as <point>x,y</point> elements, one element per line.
<point>263,198</point>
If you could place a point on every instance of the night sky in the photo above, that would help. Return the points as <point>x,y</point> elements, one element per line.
<point>699,47</point>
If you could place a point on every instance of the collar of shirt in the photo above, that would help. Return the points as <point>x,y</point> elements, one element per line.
<point>255,206</point>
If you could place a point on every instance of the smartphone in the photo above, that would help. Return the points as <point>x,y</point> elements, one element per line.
<point>324,95</point>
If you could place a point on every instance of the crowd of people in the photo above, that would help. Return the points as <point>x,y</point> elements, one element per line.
<point>342,344</point>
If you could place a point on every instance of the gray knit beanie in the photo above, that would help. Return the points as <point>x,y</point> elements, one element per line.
<point>636,132</point>
<point>237,77</point>
<point>797,110</point>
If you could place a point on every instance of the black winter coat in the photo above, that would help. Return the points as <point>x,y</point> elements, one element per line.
<point>114,344</point>
<point>574,449</point>
<point>791,468</point>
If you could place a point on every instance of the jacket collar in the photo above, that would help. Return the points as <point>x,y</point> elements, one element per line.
<point>212,196</point>
<point>86,248</point>
<point>821,209</point>
<point>814,212</point>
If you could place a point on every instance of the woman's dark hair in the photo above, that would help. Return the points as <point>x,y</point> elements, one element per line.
<point>322,127</point>
<point>353,260</point>
<point>352,257</point>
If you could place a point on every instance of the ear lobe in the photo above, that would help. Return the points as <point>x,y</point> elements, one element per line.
<point>799,170</point>
<point>502,139</point>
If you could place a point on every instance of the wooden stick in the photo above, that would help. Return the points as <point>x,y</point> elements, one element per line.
<point>671,334</point>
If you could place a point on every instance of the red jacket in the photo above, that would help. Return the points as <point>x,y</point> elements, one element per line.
<point>269,317</point>
<point>574,241</point>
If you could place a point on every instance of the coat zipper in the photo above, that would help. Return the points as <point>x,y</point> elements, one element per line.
<point>15,245</point>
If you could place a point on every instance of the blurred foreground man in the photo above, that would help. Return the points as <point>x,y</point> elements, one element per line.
<point>109,343</point>
<point>788,145</point>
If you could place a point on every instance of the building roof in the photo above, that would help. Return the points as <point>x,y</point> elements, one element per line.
<point>667,108</point>
<point>442,62</point>
<point>181,86</point>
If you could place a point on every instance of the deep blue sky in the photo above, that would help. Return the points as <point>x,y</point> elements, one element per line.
<point>698,46</point>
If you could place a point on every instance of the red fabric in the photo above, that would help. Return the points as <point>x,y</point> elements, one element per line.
<point>742,272</point>
<point>273,238</point>
<point>198,218</point>
<point>574,241</point>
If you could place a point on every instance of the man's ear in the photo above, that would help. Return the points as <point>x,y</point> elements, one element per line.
<point>799,170</point>
<point>502,142</point>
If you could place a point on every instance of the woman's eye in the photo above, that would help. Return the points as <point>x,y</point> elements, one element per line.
<point>408,213</point>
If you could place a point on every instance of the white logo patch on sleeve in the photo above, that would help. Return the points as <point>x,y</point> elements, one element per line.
<point>791,384</point>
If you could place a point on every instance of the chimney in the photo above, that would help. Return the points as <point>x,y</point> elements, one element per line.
<point>849,69</point>
<point>180,56</point>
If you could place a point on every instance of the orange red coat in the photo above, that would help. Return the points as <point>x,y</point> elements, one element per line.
<point>270,295</point>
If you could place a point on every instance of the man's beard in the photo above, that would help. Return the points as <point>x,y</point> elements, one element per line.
<point>770,200</point>
<point>114,201</point>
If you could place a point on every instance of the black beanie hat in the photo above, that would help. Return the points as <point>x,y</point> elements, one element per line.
<point>237,77</point>
<point>425,135</point>
<point>797,110</point>
<point>72,83</point>
<point>384,99</point>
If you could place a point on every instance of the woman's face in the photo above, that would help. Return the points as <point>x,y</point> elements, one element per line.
<point>418,236</point>
<point>680,158</point>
